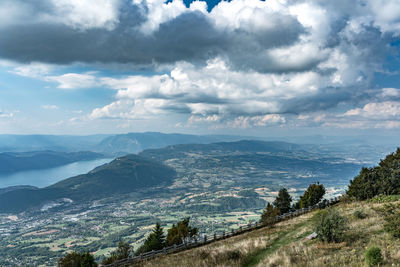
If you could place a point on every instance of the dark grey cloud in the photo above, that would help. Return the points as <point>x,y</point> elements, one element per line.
<point>189,37</point>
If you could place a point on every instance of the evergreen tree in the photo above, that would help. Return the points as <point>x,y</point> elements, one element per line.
<point>122,252</point>
<point>312,195</point>
<point>77,259</point>
<point>282,201</point>
<point>366,184</point>
<point>269,213</point>
<point>177,233</point>
<point>155,241</point>
<point>383,179</point>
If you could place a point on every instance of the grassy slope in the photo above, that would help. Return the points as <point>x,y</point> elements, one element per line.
<point>285,245</point>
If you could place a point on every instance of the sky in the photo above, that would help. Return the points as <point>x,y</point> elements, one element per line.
<point>273,67</point>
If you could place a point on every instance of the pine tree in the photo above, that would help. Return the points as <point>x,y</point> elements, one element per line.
<point>158,240</point>
<point>269,214</point>
<point>282,201</point>
<point>155,241</point>
<point>312,195</point>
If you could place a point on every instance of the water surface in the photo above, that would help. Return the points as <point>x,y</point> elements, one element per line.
<point>46,177</point>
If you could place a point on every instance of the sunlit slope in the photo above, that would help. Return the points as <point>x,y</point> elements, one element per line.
<point>286,244</point>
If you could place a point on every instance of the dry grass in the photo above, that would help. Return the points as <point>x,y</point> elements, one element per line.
<point>285,245</point>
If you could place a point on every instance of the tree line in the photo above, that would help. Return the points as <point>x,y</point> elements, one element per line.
<point>383,179</point>
<point>156,240</point>
<point>283,202</point>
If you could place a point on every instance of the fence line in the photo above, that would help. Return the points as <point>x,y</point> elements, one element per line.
<point>203,240</point>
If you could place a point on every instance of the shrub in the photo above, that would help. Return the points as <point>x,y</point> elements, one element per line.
<point>384,198</point>
<point>234,255</point>
<point>329,225</point>
<point>373,256</point>
<point>392,224</point>
<point>224,257</point>
<point>391,214</point>
<point>347,199</point>
<point>359,214</point>
<point>77,259</point>
<point>204,254</point>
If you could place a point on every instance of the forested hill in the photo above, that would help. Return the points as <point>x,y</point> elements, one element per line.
<point>122,175</point>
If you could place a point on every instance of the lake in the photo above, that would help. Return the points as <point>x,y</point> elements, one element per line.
<point>46,177</point>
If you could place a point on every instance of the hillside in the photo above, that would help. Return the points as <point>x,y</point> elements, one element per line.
<point>122,175</point>
<point>17,187</point>
<point>285,244</point>
<point>11,162</point>
<point>252,164</point>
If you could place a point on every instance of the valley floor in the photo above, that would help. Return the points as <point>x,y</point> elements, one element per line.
<point>286,244</point>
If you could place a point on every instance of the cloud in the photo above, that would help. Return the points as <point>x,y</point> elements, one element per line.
<point>390,93</point>
<point>50,107</point>
<point>77,14</point>
<point>245,63</point>
<point>378,115</point>
<point>214,91</point>
<point>148,33</point>
<point>33,70</point>
<point>82,14</point>
<point>74,80</point>
<point>380,111</point>
<point>265,36</point>
<point>6,114</point>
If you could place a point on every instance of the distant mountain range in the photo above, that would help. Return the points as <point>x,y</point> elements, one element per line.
<point>11,162</point>
<point>116,145</point>
<point>136,142</point>
<point>122,175</point>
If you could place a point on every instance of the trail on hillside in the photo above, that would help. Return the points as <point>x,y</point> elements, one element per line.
<point>284,238</point>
